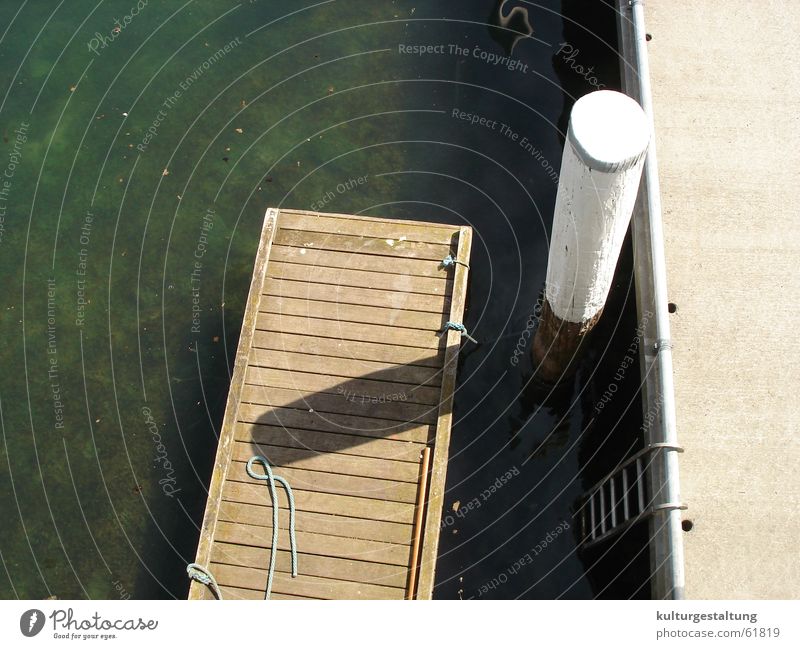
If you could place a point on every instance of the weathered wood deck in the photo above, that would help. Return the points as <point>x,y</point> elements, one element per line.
<point>342,379</point>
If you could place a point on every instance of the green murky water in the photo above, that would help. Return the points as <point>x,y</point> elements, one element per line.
<point>141,147</point>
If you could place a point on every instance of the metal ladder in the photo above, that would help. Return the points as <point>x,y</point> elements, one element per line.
<point>621,498</point>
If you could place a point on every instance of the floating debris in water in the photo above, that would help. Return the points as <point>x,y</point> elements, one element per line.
<point>508,27</point>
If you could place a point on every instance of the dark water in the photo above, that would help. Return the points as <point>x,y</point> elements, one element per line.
<point>138,154</point>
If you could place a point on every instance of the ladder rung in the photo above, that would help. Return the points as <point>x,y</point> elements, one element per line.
<point>640,483</point>
<point>613,504</point>
<point>625,507</point>
<point>602,511</point>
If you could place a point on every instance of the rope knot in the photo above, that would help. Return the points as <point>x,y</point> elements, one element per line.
<point>457,326</point>
<point>452,261</point>
<point>203,575</point>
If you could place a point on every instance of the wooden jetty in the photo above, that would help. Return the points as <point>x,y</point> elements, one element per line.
<point>344,381</point>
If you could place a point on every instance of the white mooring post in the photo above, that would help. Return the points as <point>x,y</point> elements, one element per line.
<point>602,163</point>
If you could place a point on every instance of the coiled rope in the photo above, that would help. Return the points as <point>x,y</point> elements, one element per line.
<point>271,479</point>
<point>203,575</point>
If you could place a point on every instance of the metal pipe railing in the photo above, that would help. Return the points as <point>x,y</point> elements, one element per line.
<point>667,559</point>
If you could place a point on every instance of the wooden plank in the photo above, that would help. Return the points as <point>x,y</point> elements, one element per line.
<point>389,229</point>
<point>343,314</point>
<point>334,483</point>
<point>346,367</point>
<point>385,281</point>
<point>324,403</point>
<point>362,245</point>
<point>341,295</point>
<point>244,515</point>
<point>352,349</point>
<point>334,329</point>
<point>325,503</point>
<point>325,436</point>
<point>232,593</point>
<point>302,585</point>
<point>351,465</point>
<point>292,212</point>
<point>363,391</point>
<point>433,515</point>
<point>221,461</point>
<point>319,544</point>
<point>312,564</point>
<point>371,263</point>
